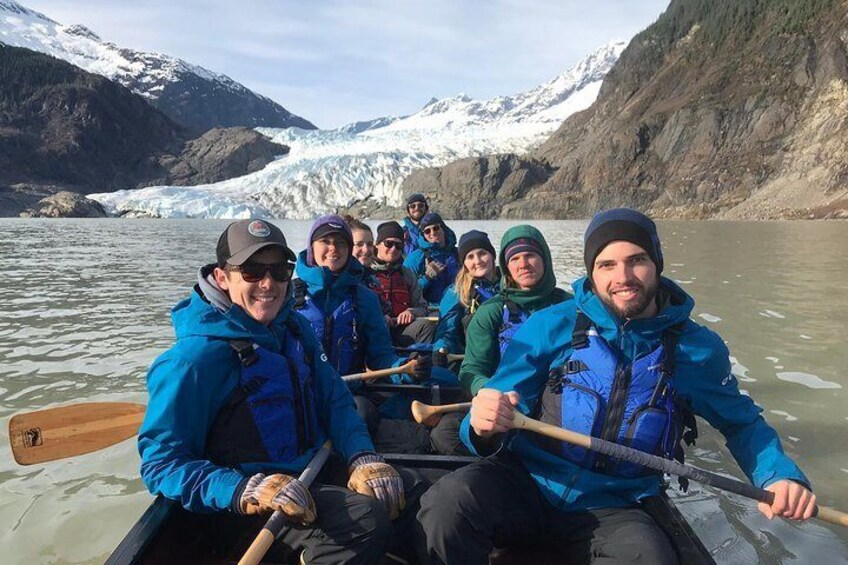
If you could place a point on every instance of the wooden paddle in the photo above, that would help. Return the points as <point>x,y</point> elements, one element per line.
<point>67,431</point>
<point>272,528</point>
<point>55,433</point>
<point>407,368</point>
<point>430,415</point>
<point>631,455</point>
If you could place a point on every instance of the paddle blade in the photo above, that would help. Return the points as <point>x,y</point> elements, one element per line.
<point>56,433</point>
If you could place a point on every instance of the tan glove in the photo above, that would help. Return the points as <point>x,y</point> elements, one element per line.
<point>372,476</point>
<point>433,269</point>
<point>264,495</point>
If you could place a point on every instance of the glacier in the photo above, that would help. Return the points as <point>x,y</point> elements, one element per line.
<point>329,169</point>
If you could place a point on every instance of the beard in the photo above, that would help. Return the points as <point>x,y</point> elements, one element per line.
<point>646,295</point>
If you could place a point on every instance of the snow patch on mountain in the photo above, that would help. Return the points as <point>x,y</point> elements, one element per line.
<point>143,72</point>
<point>328,169</point>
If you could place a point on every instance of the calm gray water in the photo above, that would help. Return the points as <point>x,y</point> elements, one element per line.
<point>85,309</point>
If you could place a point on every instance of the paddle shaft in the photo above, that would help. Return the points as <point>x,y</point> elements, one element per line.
<point>664,465</point>
<point>408,367</point>
<point>631,455</point>
<point>451,356</point>
<point>275,524</point>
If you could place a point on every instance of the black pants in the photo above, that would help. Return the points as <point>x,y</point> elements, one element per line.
<point>419,331</point>
<point>495,503</point>
<point>390,435</point>
<point>350,527</point>
<point>444,437</point>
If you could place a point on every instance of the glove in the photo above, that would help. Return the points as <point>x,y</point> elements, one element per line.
<point>423,367</point>
<point>433,270</point>
<point>281,492</point>
<point>440,358</point>
<point>372,476</point>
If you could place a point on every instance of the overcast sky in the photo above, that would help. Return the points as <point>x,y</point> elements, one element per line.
<point>335,61</point>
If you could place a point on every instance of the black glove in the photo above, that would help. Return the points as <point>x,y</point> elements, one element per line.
<point>423,366</point>
<point>440,358</point>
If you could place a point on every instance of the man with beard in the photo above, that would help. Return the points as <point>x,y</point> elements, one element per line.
<point>623,362</point>
<point>416,208</point>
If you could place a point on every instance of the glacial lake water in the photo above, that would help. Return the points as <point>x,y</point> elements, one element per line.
<point>84,309</point>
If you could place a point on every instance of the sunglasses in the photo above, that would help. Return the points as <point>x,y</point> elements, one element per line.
<point>255,272</point>
<point>392,244</point>
<point>418,205</point>
<point>429,230</point>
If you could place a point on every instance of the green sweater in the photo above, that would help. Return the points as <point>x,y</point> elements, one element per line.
<point>482,350</point>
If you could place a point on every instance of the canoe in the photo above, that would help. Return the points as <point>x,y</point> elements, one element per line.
<point>166,533</point>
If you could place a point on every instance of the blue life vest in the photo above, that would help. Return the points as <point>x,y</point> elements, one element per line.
<point>411,233</point>
<point>482,291</point>
<point>271,414</point>
<point>337,330</point>
<point>597,393</point>
<point>513,317</point>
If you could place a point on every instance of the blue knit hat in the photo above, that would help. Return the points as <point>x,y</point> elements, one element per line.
<point>430,219</point>
<point>621,224</point>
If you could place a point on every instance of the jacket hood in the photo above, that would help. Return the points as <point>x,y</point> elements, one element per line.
<point>675,307</point>
<point>538,295</point>
<point>321,278</point>
<point>209,313</point>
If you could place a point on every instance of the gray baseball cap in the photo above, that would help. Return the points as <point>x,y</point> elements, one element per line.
<point>243,238</point>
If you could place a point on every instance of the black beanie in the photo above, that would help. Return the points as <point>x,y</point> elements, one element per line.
<point>388,230</point>
<point>472,240</point>
<point>416,197</point>
<point>621,224</point>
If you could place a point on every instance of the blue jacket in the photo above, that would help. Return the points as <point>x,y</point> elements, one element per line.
<point>189,383</point>
<point>434,290</point>
<point>450,333</point>
<point>703,377</point>
<point>328,291</point>
<point>411,235</point>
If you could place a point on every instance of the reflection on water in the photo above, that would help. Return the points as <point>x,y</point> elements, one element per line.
<point>85,308</point>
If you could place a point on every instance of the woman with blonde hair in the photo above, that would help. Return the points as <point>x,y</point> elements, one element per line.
<point>476,282</point>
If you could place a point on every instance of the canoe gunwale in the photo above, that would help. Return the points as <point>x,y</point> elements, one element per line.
<point>142,536</point>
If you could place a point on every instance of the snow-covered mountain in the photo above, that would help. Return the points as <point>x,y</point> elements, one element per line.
<point>188,94</point>
<point>328,169</point>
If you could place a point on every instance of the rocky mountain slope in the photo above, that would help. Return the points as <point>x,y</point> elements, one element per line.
<point>61,127</point>
<point>721,109</point>
<point>190,95</point>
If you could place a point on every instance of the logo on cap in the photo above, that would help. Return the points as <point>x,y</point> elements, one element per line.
<point>258,228</point>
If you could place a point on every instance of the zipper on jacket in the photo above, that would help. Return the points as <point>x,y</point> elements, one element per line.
<point>300,424</point>
<point>615,411</point>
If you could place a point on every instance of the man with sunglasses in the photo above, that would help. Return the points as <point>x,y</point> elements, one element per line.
<point>244,399</point>
<point>416,208</point>
<point>435,262</point>
<point>397,286</point>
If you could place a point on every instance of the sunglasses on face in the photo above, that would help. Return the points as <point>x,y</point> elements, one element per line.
<point>417,206</point>
<point>392,244</point>
<point>255,272</point>
<point>430,230</point>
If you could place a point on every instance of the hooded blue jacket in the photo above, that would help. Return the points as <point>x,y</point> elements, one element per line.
<point>328,291</point>
<point>702,377</point>
<point>434,290</point>
<point>191,382</point>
